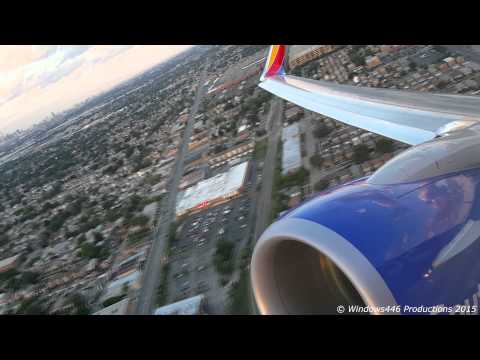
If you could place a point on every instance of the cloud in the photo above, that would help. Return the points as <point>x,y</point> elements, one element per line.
<point>65,69</point>
<point>17,90</point>
<point>13,57</point>
<point>51,78</point>
<point>71,52</point>
<point>100,54</point>
<point>45,50</point>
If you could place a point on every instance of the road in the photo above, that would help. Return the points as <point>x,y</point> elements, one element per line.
<point>264,200</point>
<point>151,276</point>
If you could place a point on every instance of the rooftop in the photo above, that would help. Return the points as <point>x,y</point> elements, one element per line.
<point>291,156</point>
<point>124,280</point>
<point>299,50</point>
<point>8,261</point>
<point>119,308</point>
<point>220,185</point>
<point>190,306</point>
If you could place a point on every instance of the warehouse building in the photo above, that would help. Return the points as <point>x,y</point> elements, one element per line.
<point>119,308</point>
<point>213,191</point>
<point>300,54</point>
<point>291,153</point>
<point>190,306</point>
<point>231,154</point>
<point>117,287</point>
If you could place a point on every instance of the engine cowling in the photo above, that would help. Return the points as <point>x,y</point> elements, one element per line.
<point>409,245</point>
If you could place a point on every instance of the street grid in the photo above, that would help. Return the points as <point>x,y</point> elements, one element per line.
<point>151,276</point>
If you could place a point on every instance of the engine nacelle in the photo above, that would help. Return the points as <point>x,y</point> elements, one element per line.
<point>406,239</point>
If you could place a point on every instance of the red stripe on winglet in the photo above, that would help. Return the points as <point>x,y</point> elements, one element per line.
<point>277,63</point>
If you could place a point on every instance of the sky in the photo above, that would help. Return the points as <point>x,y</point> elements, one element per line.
<point>40,79</point>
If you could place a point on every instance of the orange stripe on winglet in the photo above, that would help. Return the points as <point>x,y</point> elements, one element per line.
<point>273,55</point>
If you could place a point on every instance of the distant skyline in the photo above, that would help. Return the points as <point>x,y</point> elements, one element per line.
<point>40,79</point>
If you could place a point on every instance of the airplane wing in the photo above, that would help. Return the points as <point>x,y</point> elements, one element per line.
<point>407,116</point>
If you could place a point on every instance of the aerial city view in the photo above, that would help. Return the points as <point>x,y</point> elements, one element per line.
<point>148,196</point>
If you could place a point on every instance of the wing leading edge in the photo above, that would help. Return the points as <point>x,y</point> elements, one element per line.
<point>407,116</point>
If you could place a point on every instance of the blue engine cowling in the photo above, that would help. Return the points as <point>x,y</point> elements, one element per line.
<point>405,248</point>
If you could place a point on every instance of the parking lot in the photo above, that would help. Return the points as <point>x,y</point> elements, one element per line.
<point>192,270</point>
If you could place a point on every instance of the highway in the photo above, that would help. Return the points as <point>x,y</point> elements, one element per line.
<point>151,276</point>
<point>264,200</point>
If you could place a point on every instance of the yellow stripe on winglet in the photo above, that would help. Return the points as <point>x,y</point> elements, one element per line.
<point>273,55</point>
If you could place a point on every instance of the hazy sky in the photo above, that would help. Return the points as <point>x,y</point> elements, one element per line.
<point>36,80</point>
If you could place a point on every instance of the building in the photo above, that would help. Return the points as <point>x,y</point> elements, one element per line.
<point>116,287</point>
<point>199,135</point>
<point>91,265</point>
<point>372,61</point>
<point>300,54</point>
<point>8,263</point>
<point>197,143</point>
<point>232,153</point>
<point>291,152</point>
<point>195,161</point>
<point>119,308</point>
<point>183,117</point>
<point>190,306</point>
<point>389,49</point>
<point>212,191</point>
<point>450,61</point>
<point>427,57</point>
<point>191,178</point>
<point>129,265</point>
<point>293,113</point>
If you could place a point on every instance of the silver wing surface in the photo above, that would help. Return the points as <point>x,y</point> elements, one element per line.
<point>407,116</point>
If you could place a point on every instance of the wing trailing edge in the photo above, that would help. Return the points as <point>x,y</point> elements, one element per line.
<point>407,116</point>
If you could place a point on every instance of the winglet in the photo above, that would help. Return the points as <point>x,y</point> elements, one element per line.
<point>275,60</point>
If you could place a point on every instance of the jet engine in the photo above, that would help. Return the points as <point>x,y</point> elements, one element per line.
<point>403,241</point>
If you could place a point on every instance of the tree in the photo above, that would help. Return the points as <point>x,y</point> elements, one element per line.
<point>442,84</point>
<point>45,238</point>
<point>358,59</point>
<point>360,153</point>
<point>238,296</point>
<point>98,237</point>
<point>316,160</point>
<point>90,251</point>
<point>134,204</point>
<point>439,48</point>
<point>139,220</point>
<point>113,300</point>
<point>321,185</point>
<point>412,66</point>
<point>300,177</point>
<point>321,130</point>
<point>223,259</point>
<point>57,222</point>
<point>172,232</point>
<point>29,277</point>
<point>80,304</point>
<point>31,306</point>
<point>218,120</point>
<point>384,146</point>
<point>4,239</point>
<point>218,148</point>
